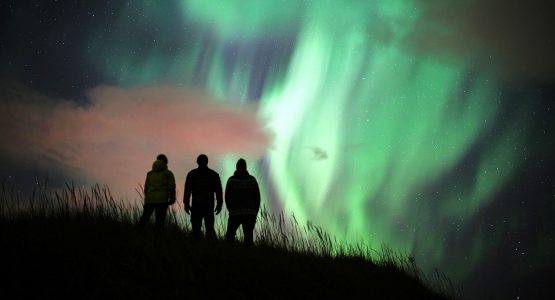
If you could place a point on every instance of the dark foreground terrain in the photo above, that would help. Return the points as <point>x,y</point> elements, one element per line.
<point>100,259</point>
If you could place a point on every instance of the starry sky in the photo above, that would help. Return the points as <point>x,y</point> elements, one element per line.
<point>425,125</point>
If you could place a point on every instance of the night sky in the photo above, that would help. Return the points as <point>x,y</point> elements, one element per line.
<point>425,125</point>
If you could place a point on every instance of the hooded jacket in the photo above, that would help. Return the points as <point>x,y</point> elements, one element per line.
<point>242,195</point>
<point>159,184</point>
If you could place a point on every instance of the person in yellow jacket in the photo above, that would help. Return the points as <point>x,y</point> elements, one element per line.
<point>159,192</point>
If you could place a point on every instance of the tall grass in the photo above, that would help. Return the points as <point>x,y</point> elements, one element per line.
<point>70,203</point>
<point>96,203</point>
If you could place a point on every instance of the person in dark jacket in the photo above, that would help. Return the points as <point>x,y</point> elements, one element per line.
<point>159,192</point>
<point>202,184</point>
<point>242,199</point>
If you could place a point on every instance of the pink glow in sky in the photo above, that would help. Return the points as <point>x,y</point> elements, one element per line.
<point>115,138</point>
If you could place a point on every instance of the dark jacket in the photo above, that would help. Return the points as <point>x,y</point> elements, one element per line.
<point>159,184</point>
<point>203,183</point>
<point>242,195</point>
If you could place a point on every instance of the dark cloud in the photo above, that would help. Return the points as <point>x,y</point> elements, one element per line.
<point>514,39</point>
<point>319,153</point>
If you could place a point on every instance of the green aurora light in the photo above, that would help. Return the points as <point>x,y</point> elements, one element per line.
<point>392,122</point>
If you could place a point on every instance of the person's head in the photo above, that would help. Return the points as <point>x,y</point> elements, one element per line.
<point>241,164</point>
<point>163,158</point>
<point>202,160</point>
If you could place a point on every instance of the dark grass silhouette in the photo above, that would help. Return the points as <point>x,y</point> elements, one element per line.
<point>84,244</point>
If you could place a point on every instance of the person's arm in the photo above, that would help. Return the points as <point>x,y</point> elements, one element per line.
<point>256,196</point>
<point>228,197</point>
<point>146,187</point>
<point>187,193</point>
<point>171,188</point>
<point>219,196</point>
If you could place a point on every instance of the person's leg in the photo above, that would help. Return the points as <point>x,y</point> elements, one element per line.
<point>248,229</point>
<point>196,222</point>
<point>209,223</point>
<point>161,212</point>
<point>147,212</point>
<point>232,226</point>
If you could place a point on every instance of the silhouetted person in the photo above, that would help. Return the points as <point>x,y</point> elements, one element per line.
<point>159,191</point>
<point>203,183</point>
<point>242,199</point>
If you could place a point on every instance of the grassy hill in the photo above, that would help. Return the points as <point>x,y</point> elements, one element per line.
<point>82,244</point>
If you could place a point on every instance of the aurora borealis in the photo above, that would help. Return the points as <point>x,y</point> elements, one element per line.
<point>410,123</point>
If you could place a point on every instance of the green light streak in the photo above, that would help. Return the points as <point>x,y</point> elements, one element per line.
<point>392,124</point>
<point>245,18</point>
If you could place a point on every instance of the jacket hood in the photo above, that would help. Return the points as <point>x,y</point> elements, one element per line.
<point>159,165</point>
